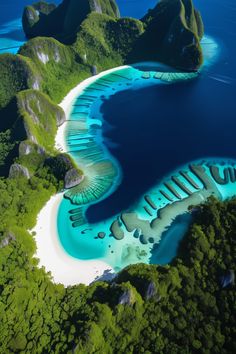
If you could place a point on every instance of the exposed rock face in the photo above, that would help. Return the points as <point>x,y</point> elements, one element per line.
<point>40,118</point>
<point>60,117</point>
<point>173,34</point>
<point>127,298</point>
<point>7,239</point>
<point>94,70</point>
<point>42,19</point>
<point>151,291</point>
<point>25,148</point>
<point>72,178</point>
<point>228,279</point>
<point>16,170</point>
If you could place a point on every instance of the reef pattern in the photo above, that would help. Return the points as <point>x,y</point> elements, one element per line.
<point>130,236</point>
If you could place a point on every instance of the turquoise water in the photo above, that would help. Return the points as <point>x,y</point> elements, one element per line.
<point>88,135</point>
<point>217,80</point>
<point>11,36</point>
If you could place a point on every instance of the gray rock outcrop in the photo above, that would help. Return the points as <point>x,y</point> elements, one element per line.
<point>72,178</point>
<point>17,170</point>
<point>6,240</point>
<point>127,298</point>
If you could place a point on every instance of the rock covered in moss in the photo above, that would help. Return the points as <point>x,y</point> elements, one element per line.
<point>17,170</point>
<point>173,32</point>
<point>127,298</point>
<point>25,148</point>
<point>17,73</point>
<point>33,14</point>
<point>106,41</point>
<point>42,19</point>
<point>4,242</point>
<point>72,178</point>
<point>39,118</point>
<point>64,169</point>
<point>151,291</point>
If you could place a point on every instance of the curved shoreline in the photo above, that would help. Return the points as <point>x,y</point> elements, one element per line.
<point>67,103</point>
<point>64,268</point>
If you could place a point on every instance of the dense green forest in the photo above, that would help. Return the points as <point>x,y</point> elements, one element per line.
<point>179,308</point>
<point>185,307</point>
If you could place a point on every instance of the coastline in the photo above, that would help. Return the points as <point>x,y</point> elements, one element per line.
<point>65,269</point>
<point>68,100</point>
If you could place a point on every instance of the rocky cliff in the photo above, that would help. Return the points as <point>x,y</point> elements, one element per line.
<point>42,19</point>
<point>173,32</point>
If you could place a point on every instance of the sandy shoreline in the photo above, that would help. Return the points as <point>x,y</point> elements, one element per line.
<point>67,103</point>
<point>64,268</point>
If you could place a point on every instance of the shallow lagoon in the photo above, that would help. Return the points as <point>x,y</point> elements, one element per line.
<point>213,99</point>
<point>149,130</point>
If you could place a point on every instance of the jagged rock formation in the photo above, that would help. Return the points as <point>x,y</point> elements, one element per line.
<point>42,19</point>
<point>173,32</point>
<point>38,119</point>
<point>17,74</point>
<point>16,170</point>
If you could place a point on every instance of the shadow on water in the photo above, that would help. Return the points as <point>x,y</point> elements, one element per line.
<point>167,249</point>
<point>159,128</point>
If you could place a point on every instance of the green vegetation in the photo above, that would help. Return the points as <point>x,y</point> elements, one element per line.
<point>59,66</point>
<point>39,117</point>
<point>62,22</point>
<point>17,74</point>
<point>173,32</point>
<point>105,42</point>
<point>180,308</point>
<point>6,145</point>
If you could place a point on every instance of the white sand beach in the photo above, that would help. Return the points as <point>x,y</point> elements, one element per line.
<point>67,103</point>
<point>64,268</point>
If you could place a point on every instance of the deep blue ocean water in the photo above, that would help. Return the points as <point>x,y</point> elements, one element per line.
<point>183,122</point>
